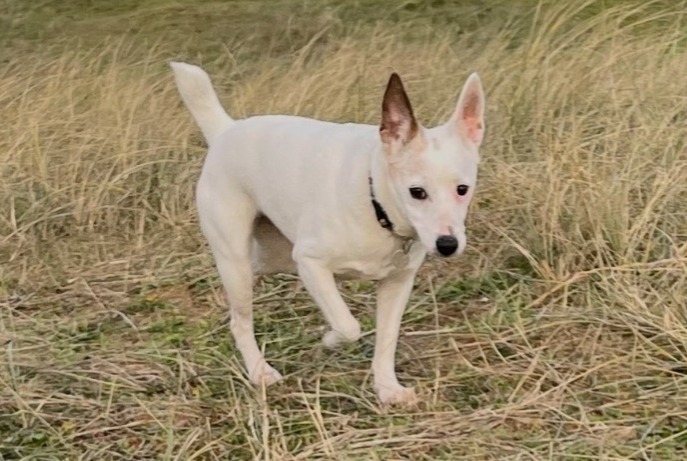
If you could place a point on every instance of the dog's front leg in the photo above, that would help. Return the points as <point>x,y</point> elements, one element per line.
<point>392,297</point>
<point>321,285</point>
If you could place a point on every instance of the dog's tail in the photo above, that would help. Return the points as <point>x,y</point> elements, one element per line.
<point>196,90</point>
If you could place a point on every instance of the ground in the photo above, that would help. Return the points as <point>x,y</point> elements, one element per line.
<point>559,335</point>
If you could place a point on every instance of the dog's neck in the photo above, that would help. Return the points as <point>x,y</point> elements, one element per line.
<point>389,213</point>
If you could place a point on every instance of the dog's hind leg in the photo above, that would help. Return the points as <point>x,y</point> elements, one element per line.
<point>229,230</point>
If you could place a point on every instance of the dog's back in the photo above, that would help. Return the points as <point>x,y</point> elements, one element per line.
<point>288,163</point>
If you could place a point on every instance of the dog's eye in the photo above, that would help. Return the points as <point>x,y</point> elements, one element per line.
<point>462,189</point>
<point>418,193</point>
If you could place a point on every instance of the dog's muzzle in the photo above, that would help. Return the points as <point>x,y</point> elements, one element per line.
<point>447,245</point>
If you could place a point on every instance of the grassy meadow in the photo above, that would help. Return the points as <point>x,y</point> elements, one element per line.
<point>561,334</point>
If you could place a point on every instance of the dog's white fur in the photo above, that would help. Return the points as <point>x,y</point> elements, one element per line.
<point>291,194</point>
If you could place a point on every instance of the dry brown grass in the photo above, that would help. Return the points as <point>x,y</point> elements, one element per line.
<point>560,335</point>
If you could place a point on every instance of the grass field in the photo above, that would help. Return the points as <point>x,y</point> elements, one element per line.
<point>561,334</point>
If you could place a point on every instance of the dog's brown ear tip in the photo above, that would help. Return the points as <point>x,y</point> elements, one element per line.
<point>395,80</point>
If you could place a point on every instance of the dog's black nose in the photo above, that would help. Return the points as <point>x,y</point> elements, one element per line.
<point>447,245</point>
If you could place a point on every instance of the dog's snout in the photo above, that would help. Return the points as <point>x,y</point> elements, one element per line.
<point>447,245</point>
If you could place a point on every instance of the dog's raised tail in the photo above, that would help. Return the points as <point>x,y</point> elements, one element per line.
<point>196,90</point>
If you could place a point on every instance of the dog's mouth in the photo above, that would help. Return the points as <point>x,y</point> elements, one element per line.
<point>436,254</point>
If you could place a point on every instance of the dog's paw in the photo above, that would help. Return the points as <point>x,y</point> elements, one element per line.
<point>333,339</point>
<point>397,395</point>
<point>265,374</point>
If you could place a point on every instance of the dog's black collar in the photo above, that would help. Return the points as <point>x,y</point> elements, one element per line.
<point>382,217</point>
<point>400,257</point>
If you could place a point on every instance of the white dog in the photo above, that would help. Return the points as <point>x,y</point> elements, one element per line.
<point>283,193</point>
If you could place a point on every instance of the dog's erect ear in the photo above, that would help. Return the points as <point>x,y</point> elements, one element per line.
<point>398,122</point>
<point>468,117</point>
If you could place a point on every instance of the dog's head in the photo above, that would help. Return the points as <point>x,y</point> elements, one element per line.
<point>433,171</point>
